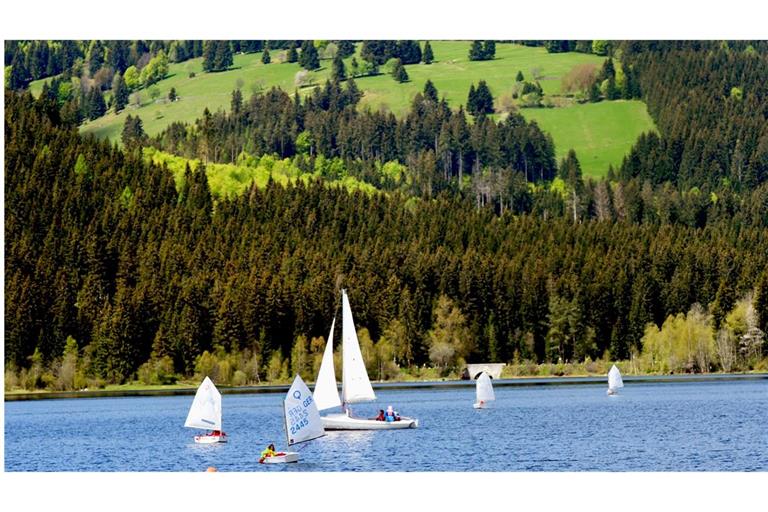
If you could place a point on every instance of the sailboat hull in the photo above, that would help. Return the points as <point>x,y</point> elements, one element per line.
<point>211,439</point>
<point>612,392</point>
<point>281,459</point>
<point>479,405</point>
<point>344,422</point>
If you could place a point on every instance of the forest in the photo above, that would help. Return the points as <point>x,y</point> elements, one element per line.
<point>484,248</point>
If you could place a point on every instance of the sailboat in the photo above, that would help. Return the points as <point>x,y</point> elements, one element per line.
<point>483,391</point>
<point>614,381</point>
<point>205,413</point>
<point>302,421</point>
<point>355,385</point>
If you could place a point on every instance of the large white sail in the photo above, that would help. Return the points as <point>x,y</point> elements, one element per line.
<point>355,386</point>
<point>326,392</point>
<point>206,407</point>
<point>302,419</point>
<point>614,379</point>
<point>484,388</point>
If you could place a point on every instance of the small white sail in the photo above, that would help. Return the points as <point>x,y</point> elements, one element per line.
<point>614,379</point>
<point>206,407</point>
<point>484,388</point>
<point>302,419</point>
<point>326,392</point>
<point>355,386</point>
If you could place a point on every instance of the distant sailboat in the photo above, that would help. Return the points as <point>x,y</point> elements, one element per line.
<point>483,391</point>
<point>614,381</point>
<point>302,421</point>
<point>205,413</point>
<point>355,385</point>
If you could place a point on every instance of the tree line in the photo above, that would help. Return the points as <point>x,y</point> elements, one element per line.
<point>103,250</point>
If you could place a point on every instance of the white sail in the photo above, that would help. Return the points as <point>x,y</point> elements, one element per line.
<point>614,379</point>
<point>355,386</point>
<point>326,392</point>
<point>484,388</point>
<point>302,419</point>
<point>206,407</point>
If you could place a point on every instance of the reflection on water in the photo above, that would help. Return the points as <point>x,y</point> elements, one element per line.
<point>681,426</point>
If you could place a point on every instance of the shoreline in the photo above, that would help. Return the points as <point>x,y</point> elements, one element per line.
<point>175,390</point>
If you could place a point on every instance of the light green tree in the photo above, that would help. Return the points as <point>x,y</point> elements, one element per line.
<point>132,78</point>
<point>449,339</point>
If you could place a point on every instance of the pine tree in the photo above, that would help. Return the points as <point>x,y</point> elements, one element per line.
<point>427,56</point>
<point>399,73</point>
<point>119,92</point>
<point>265,58</point>
<point>519,77</point>
<point>172,96</point>
<point>338,71</point>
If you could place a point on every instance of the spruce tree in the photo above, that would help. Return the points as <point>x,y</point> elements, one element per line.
<point>489,50</point>
<point>172,96</point>
<point>345,48</point>
<point>519,77</point>
<point>119,92</point>
<point>338,71</point>
<point>237,101</point>
<point>472,100</point>
<point>480,101</point>
<point>476,51</point>
<point>96,105</point>
<point>427,57</point>
<point>265,58</point>
<point>309,59</point>
<point>399,73</point>
<point>430,91</point>
<point>133,132</point>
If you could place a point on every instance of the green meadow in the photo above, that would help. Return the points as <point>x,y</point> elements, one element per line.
<point>601,134</point>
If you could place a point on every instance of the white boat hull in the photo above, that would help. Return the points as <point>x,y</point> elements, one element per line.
<point>611,392</point>
<point>281,459</point>
<point>210,439</point>
<point>344,422</point>
<point>478,405</point>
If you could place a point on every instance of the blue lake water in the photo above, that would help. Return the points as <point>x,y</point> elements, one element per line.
<point>679,426</point>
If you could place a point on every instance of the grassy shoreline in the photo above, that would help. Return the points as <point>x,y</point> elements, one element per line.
<point>189,387</point>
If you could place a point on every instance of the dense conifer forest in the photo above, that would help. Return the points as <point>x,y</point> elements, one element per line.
<point>485,248</point>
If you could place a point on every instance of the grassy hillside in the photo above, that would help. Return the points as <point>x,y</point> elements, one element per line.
<point>600,134</point>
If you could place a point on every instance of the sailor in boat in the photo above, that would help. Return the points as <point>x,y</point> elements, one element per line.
<point>380,417</point>
<point>269,451</point>
<point>391,415</point>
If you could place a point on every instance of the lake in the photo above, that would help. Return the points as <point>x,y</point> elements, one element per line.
<point>651,426</point>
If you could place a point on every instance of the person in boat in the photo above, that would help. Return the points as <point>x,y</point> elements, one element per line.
<point>215,433</point>
<point>391,415</point>
<point>269,451</point>
<point>380,417</point>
